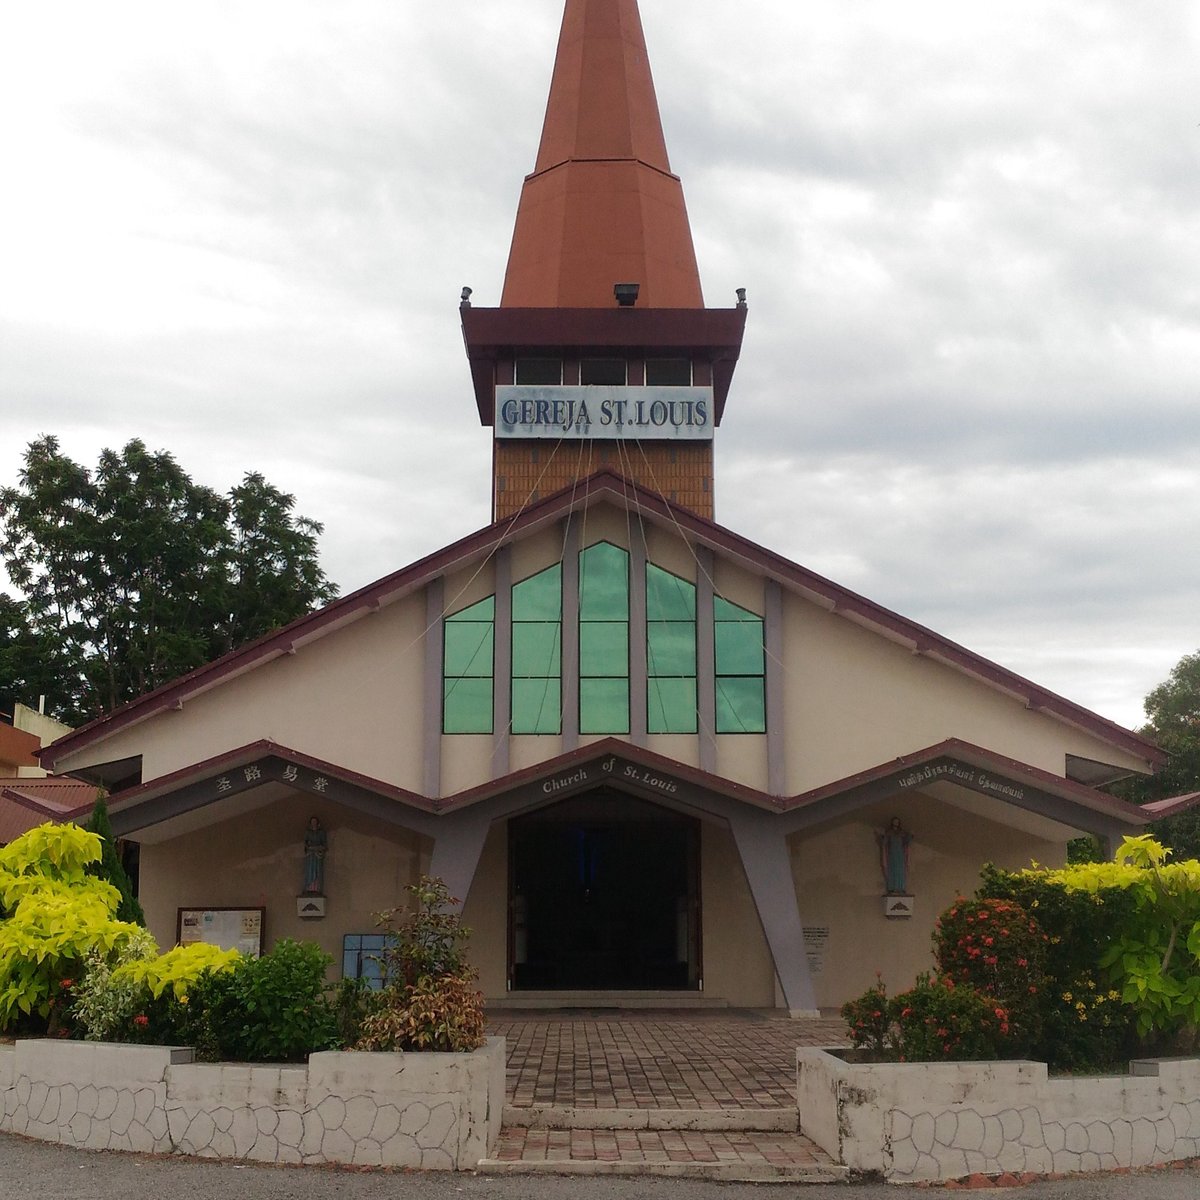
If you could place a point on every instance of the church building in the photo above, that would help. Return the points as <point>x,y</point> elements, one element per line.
<point>660,763</point>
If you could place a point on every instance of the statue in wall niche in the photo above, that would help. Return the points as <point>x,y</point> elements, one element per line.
<point>316,842</point>
<point>894,842</point>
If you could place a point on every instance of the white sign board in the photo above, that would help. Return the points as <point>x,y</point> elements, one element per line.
<point>601,411</point>
<point>229,928</point>
<point>816,943</point>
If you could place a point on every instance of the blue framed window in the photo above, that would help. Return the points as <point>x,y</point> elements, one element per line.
<point>362,955</point>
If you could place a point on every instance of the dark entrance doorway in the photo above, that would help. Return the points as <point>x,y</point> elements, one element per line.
<point>604,895</point>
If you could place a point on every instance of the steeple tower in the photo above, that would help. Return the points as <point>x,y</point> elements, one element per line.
<point>602,336</point>
<point>601,204</point>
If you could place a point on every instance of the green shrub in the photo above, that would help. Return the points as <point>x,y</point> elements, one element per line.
<point>434,1013</point>
<point>936,1020</point>
<point>429,1001</point>
<point>1085,1024</point>
<point>270,1009</point>
<point>425,937</point>
<point>995,947</point>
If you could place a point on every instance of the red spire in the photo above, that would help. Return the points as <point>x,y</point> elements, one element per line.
<point>601,206</point>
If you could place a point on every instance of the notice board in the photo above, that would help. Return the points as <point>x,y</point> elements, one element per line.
<point>230,928</point>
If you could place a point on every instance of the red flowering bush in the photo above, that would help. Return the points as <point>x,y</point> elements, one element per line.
<point>940,1021</point>
<point>934,1021</point>
<point>869,1019</point>
<point>996,948</point>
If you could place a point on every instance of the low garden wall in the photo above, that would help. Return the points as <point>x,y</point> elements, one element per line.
<point>933,1121</point>
<point>430,1111</point>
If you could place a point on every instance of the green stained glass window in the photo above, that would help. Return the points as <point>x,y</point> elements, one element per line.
<point>537,652</point>
<point>604,649</point>
<point>671,647</point>
<point>604,705</point>
<point>604,583</point>
<point>668,598</point>
<point>671,705</point>
<point>539,598</point>
<point>740,668</point>
<point>537,705</point>
<point>604,639</point>
<point>468,642</point>
<point>670,652</point>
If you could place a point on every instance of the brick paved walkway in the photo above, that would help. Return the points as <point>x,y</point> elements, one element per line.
<point>678,1060</point>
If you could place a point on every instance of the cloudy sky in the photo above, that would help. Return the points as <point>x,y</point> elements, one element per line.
<point>970,235</point>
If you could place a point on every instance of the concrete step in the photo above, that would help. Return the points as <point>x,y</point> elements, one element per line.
<point>613,999</point>
<point>722,1172</point>
<point>747,1155</point>
<point>762,1120</point>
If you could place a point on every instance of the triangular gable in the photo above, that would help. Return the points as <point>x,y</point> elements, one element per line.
<point>605,486</point>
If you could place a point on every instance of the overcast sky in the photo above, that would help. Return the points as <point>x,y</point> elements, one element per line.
<point>970,234</point>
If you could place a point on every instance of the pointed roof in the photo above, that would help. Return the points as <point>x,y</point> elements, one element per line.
<point>602,206</point>
<point>602,487</point>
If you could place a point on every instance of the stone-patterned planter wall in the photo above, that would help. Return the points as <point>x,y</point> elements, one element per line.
<point>930,1121</point>
<point>431,1111</point>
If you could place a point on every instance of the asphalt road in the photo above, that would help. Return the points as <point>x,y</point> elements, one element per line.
<point>32,1170</point>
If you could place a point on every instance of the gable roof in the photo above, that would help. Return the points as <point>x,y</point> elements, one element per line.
<point>602,486</point>
<point>640,770</point>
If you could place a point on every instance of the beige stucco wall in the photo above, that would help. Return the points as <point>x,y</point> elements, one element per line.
<point>258,859</point>
<point>353,698</point>
<point>854,700</point>
<point>839,885</point>
<point>486,913</point>
<point>737,963</point>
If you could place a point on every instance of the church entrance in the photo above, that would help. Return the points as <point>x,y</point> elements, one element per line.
<point>604,895</point>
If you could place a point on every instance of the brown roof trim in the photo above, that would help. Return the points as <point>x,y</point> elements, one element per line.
<point>1158,809</point>
<point>978,756</point>
<point>248,753</point>
<point>952,752</point>
<point>606,485</point>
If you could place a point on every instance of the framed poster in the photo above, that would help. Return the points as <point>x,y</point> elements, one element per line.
<point>230,928</point>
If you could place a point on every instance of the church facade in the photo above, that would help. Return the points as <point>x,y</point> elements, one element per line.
<point>658,762</point>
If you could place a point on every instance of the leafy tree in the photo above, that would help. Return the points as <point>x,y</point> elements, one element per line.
<point>109,867</point>
<point>25,660</point>
<point>1174,711</point>
<point>134,574</point>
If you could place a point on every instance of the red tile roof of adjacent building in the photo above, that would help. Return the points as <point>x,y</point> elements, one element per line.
<point>26,803</point>
<point>17,748</point>
<point>602,206</point>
